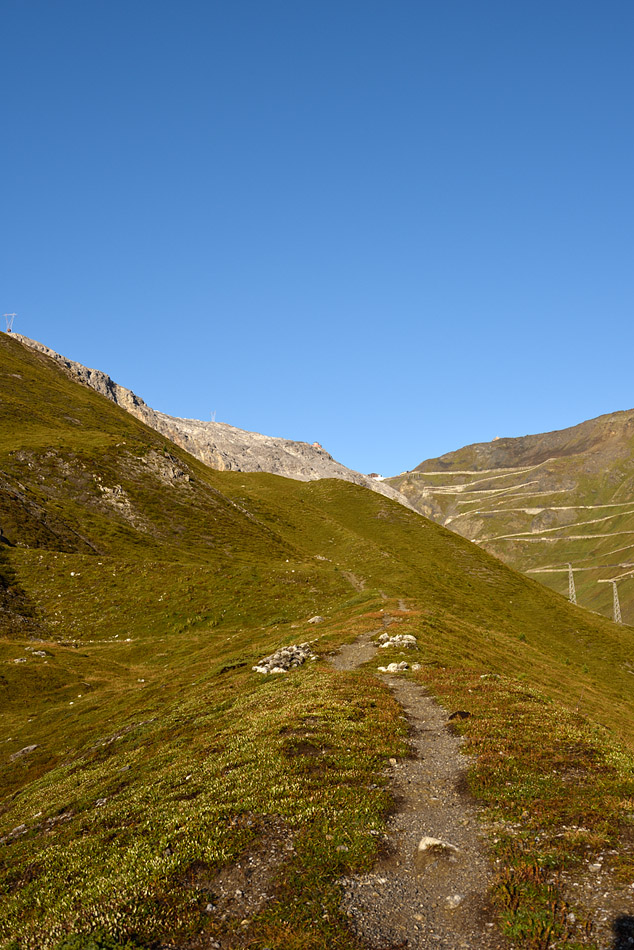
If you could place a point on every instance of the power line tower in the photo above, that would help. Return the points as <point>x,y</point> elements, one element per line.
<point>617,606</point>
<point>615,601</point>
<point>572,594</point>
<point>10,317</point>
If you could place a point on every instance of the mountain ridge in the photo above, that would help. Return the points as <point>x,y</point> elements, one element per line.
<point>534,448</point>
<point>218,444</point>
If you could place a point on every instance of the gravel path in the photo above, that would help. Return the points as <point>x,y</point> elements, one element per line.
<point>435,897</point>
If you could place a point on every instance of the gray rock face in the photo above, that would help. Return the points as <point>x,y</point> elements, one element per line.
<point>219,445</point>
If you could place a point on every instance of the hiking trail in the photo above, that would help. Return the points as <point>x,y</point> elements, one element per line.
<point>434,896</point>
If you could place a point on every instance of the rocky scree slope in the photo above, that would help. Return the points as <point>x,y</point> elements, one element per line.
<point>219,445</point>
<point>543,501</point>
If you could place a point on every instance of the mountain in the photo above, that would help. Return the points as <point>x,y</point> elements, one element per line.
<point>219,445</point>
<point>156,792</point>
<point>542,502</point>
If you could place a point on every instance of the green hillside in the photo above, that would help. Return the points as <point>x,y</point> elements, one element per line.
<point>543,501</point>
<point>143,756</point>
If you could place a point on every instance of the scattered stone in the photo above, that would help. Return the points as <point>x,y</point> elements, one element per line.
<point>399,640</point>
<point>453,901</point>
<point>427,843</point>
<point>25,751</point>
<point>394,667</point>
<point>285,659</point>
<point>20,659</point>
<point>316,619</point>
<point>431,849</point>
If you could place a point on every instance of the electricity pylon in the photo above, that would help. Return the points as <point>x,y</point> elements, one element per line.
<point>572,594</point>
<point>9,317</point>
<point>617,606</point>
<point>615,601</point>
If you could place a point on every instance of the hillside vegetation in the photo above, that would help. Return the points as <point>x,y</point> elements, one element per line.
<point>542,502</point>
<point>143,760</point>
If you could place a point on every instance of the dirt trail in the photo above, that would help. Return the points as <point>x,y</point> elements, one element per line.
<point>437,897</point>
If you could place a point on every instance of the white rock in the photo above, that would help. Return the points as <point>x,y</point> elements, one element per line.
<point>316,619</point>
<point>396,667</point>
<point>436,844</point>
<point>400,640</point>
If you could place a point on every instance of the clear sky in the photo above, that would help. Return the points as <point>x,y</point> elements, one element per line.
<point>392,227</point>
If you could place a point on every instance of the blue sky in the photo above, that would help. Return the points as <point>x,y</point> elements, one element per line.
<point>392,227</point>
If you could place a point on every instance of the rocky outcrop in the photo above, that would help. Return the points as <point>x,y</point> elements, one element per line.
<point>219,445</point>
<point>285,659</point>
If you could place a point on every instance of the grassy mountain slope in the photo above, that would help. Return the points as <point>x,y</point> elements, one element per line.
<point>543,501</point>
<point>143,760</point>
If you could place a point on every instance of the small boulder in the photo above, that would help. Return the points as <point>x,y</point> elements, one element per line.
<point>453,901</point>
<point>430,850</point>
<point>316,619</point>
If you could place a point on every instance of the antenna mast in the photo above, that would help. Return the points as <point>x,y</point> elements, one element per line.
<point>572,594</point>
<point>9,317</point>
